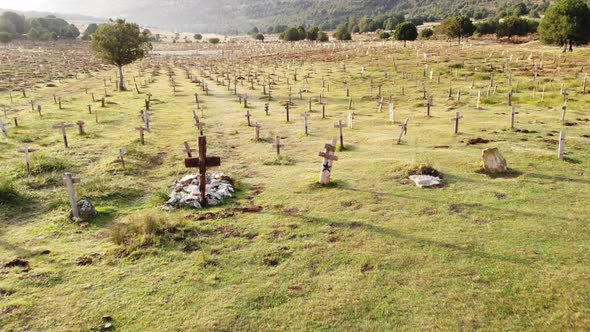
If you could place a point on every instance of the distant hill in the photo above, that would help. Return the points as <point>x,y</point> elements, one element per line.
<point>67,17</point>
<point>238,16</point>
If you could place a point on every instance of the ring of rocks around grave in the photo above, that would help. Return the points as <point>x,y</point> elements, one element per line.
<point>185,192</point>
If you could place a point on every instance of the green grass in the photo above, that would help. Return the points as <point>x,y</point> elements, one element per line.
<point>368,252</point>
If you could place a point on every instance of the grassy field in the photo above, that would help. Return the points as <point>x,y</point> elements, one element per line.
<point>368,252</point>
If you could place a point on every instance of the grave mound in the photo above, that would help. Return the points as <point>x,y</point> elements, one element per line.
<point>185,192</point>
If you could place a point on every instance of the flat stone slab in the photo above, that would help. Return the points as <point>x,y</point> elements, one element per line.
<point>426,181</point>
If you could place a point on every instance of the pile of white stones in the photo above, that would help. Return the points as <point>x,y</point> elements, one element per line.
<point>185,192</point>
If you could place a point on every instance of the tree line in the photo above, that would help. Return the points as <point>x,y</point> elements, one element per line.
<point>13,25</point>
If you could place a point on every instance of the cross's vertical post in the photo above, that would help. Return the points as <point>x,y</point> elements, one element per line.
<point>69,182</point>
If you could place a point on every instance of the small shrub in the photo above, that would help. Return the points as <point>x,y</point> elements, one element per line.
<point>8,192</point>
<point>214,40</point>
<point>140,229</point>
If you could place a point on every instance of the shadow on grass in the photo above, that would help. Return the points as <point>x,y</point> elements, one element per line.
<point>508,174</point>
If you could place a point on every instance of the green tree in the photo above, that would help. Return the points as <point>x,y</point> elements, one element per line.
<point>515,26</point>
<point>426,33</point>
<point>90,29</point>
<point>459,27</point>
<point>18,21</point>
<point>566,23</point>
<point>291,34</point>
<point>259,37</point>
<point>214,41</point>
<point>120,43</point>
<point>323,37</point>
<point>198,36</point>
<point>312,33</point>
<point>342,32</point>
<point>5,37</point>
<point>405,31</point>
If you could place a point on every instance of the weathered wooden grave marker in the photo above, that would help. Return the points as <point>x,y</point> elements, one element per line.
<point>188,150</point>
<point>340,127</point>
<point>80,124</point>
<point>512,115</point>
<point>257,127</point>
<point>351,120</point>
<point>3,128</point>
<point>26,150</point>
<point>248,115</point>
<point>329,158</point>
<point>122,152</point>
<point>305,122</point>
<point>404,130</point>
<point>277,145</point>
<point>202,162</point>
<point>63,127</point>
<point>141,134</point>
<point>287,109</point>
<point>145,115</point>
<point>457,117</point>
<point>69,182</point>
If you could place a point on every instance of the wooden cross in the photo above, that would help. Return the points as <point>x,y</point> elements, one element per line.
<point>404,127</point>
<point>121,154</point>
<point>329,158</point>
<point>380,102</point>
<point>287,109</point>
<point>457,117</point>
<point>27,152</point>
<point>278,145</point>
<point>145,115</point>
<point>350,120</point>
<point>189,151</point>
<point>512,117</point>
<point>257,127</point>
<point>305,122</point>
<point>69,182</point>
<point>141,134</point>
<point>202,162</point>
<point>392,112</point>
<point>80,124</point>
<point>563,110</point>
<point>63,127</point>
<point>3,128</point>
<point>248,115</point>
<point>428,105</point>
<point>340,126</point>
<point>266,106</point>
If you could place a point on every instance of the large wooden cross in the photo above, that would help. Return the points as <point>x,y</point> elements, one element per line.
<point>202,162</point>
<point>329,158</point>
<point>63,127</point>
<point>27,152</point>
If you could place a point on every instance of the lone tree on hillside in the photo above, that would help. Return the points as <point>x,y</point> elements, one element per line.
<point>120,43</point>
<point>5,37</point>
<point>459,27</point>
<point>566,23</point>
<point>405,31</point>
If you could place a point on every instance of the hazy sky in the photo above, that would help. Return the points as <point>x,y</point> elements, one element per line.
<point>25,4</point>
